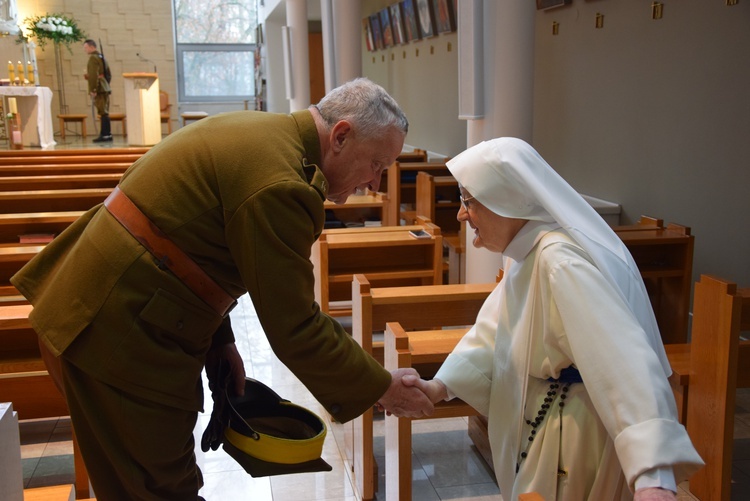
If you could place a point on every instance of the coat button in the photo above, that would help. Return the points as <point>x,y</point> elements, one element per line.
<point>180,325</point>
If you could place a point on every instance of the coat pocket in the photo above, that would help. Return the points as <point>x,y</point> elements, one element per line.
<point>186,324</point>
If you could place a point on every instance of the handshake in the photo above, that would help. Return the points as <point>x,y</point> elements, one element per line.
<point>410,396</point>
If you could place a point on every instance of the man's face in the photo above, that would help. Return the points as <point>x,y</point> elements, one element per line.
<point>353,163</point>
<point>90,49</point>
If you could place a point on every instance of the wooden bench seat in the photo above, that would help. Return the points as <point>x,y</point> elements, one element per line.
<point>60,182</point>
<point>71,159</point>
<point>13,257</point>
<point>51,200</point>
<point>424,351</point>
<point>63,169</point>
<point>389,256</point>
<point>438,201</point>
<point>25,381</point>
<point>13,226</point>
<point>402,187</point>
<point>415,308</point>
<point>369,206</point>
<point>130,150</point>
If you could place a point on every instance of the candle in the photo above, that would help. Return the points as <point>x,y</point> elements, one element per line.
<point>21,72</point>
<point>11,72</point>
<point>30,71</point>
<point>12,106</point>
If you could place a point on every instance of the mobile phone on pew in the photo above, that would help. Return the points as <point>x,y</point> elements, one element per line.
<point>419,234</point>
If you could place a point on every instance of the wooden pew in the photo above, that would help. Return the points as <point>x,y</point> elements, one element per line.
<point>59,182</point>
<point>402,187</point>
<point>370,206</point>
<point>437,200</point>
<point>719,364</point>
<point>54,159</point>
<point>14,226</point>
<point>415,308</point>
<point>424,351</point>
<point>664,255</point>
<point>24,379</point>
<point>388,255</point>
<point>51,200</point>
<point>139,150</point>
<point>64,169</point>
<point>418,155</point>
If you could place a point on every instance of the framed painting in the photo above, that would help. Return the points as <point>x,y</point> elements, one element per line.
<point>426,18</point>
<point>445,15</point>
<point>551,4</point>
<point>398,24</point>
<point>369,41</point>
<point>411,25</point>
<point>385,25</point>
<point>377,34</point>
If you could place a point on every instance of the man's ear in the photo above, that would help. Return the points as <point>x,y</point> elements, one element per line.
<point>340,133</point>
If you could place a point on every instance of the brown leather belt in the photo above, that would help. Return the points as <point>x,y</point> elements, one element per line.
<point>167,252</point>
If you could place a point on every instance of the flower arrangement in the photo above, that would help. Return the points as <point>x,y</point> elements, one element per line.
<point>55,28</point>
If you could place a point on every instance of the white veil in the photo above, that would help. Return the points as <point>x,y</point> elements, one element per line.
<point>511,179</point>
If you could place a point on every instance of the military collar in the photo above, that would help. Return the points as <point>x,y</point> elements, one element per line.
<point>308,132</point>
<point>311,160</point>
<point>316,178</point>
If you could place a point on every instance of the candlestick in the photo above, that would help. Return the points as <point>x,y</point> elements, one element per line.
<point>21,73</point>
<point>30,71</point>
<point>11,72</point>
<point>32,53</point>
<point>12,105</point>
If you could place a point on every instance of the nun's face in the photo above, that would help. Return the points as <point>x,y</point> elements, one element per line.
<point>491,231</point>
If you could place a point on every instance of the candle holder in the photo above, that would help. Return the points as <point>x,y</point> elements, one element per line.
<point>14,127</point>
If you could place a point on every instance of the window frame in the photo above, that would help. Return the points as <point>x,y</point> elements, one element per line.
<point>181,48</point>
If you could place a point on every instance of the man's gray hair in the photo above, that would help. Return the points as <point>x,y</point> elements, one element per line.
<point>365,104</point>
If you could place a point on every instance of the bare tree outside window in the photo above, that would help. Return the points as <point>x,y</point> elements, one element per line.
<point>215,43</point>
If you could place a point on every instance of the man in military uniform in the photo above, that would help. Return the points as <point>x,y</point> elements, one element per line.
<point>242,195</point>
<point>99,89</point>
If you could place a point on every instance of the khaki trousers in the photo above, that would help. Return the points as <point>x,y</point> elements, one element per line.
<point>134,449</point>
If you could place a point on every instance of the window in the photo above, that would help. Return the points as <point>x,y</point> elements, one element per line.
<point>215,40</point>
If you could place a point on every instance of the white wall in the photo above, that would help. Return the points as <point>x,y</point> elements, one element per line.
<point>655,115</point>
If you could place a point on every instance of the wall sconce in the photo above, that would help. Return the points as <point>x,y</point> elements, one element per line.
<point>416,52</point>
<point>657,9</point>
<point>393,56</point>
<point>432,49</point>
<point>732,2</point>
<point>450,47</point>
<point>404,55</point>
<point>555,28</point>
<point>599,20</point>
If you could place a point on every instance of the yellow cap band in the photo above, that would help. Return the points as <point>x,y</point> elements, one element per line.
<point>275,449</point>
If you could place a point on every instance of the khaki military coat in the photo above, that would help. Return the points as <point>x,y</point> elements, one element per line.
<point>241,194</point>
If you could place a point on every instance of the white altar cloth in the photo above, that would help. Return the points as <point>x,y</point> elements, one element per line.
<point>35,111</point>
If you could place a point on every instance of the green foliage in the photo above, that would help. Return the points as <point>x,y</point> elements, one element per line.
<point>55,28</point>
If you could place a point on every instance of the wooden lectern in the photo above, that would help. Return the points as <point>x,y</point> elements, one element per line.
<point>142,108</point>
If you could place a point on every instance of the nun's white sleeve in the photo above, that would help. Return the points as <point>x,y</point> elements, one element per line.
<point>467,372</point>
<point>621,371</point>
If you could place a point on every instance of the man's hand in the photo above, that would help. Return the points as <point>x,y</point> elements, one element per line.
<point>654,494</point>
<point>233,359</point>
<point>434,389</point>
<point>405,401</point>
